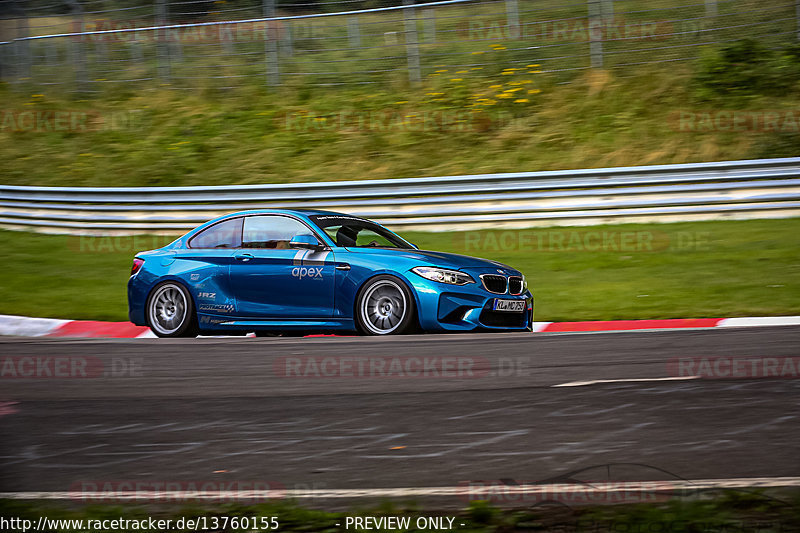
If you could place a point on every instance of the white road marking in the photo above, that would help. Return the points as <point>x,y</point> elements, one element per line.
<point>464,491</point>
<point>749,321</point>
<point>628,380</point>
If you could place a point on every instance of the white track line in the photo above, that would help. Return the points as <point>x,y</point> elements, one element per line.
<point>629,380</point>
<point>759,321</point>
<point>473,491</point>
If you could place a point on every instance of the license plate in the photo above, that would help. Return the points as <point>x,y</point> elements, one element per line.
<point>511,306</point>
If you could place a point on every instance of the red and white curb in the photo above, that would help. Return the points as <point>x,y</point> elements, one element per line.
<point>667,323</point>
<point>51,327</point>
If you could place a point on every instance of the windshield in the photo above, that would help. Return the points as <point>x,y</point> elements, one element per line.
<point>353,232</point>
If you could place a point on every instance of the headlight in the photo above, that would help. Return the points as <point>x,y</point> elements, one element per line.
<point>442,275</point>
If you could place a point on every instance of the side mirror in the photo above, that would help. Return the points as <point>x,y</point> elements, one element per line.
<point>305,242</point>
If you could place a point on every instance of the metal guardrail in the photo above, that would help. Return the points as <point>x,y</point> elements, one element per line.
<point>766,188</point>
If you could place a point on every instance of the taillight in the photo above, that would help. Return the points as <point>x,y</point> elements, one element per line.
<point>137,264</point>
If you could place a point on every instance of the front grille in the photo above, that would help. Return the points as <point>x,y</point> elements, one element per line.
<point>494,283</point>
<point>515,285</point>
<point>499,319</point>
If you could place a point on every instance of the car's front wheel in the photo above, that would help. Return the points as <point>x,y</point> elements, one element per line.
<point>170,311</point>
<point>385,306</point>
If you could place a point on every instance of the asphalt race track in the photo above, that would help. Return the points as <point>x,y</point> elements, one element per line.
<point>221,409</point>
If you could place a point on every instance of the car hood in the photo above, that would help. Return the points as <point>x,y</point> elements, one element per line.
<point>438,259</point>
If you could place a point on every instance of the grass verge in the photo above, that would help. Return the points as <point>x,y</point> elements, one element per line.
<point>511,121</point>
<point>699,269</point>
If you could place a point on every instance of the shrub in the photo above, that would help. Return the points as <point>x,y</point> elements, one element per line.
<point>745,69</point>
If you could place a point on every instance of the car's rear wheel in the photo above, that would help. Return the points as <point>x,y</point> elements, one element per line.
<point>385,306</point>
<point>170,311</point>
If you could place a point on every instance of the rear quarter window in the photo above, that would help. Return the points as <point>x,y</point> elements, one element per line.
<point>225,234</point>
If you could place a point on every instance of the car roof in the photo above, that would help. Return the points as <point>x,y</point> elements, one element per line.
<point>267,211</point>
<point>303,213</point>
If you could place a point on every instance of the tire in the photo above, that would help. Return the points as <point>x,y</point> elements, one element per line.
<point>385,306</point>
<point>170,311</point>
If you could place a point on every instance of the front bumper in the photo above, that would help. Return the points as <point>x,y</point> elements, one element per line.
<point>443,307</point>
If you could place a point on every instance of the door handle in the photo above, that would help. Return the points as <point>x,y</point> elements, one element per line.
<point>243,257</point>
<point>344,266</point>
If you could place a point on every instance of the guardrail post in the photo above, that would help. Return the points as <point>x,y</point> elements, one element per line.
<point>412,43</point>
<point>162,49</point>
<point>596,33</point>
<point>512,19</point>
<point>271,44</point>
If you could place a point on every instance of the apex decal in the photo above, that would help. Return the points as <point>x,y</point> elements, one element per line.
<point>307,272</point>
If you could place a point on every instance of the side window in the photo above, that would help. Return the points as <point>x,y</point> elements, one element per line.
<point>270,231</point>
<point>331,231</point>
<point>367,237</point>
<point>226,234</point>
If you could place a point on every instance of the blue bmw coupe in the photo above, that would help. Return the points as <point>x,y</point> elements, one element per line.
<point>294,272</point>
